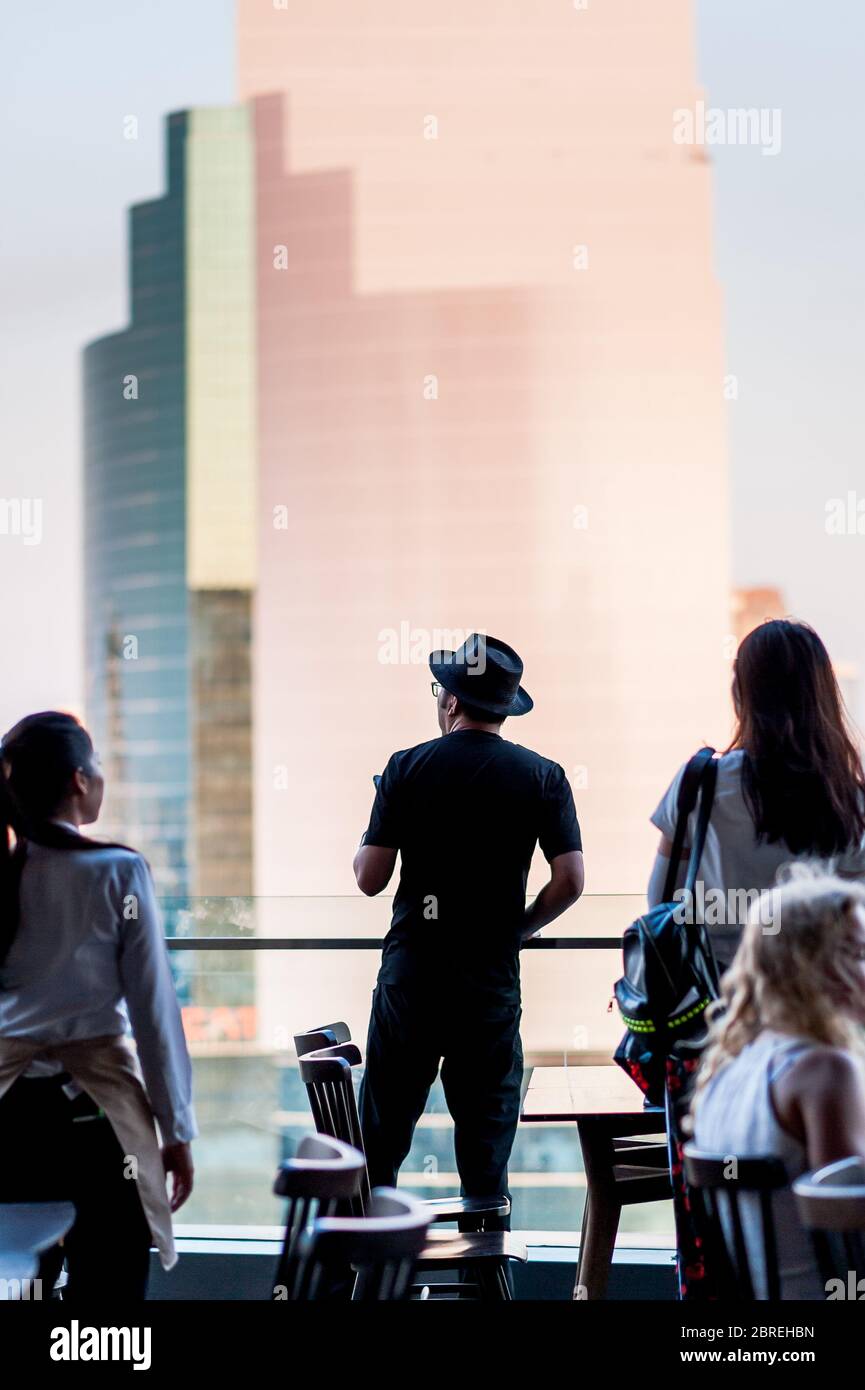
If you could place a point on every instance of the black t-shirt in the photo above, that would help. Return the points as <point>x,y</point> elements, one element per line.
<point>465,812</point>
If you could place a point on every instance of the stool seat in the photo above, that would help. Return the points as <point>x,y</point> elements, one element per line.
<point>446,1247</point>
<point>26,1230</point>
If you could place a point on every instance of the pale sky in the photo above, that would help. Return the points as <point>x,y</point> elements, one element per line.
<point>789,232</point>
<point>70,75</point>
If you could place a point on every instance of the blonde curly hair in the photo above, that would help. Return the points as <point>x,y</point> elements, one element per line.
<point>801,975</point>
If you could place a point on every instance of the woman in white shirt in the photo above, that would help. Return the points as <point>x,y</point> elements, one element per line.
<point>789,786</point>
<point>81,957</point>
<point>784,1071</point>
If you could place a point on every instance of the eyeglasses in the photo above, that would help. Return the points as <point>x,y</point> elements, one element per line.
<point>436,688</point>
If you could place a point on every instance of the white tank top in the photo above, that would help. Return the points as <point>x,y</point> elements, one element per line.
<point>735,1116</point>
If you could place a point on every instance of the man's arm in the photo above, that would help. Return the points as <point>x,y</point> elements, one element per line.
<point>567,877</point>
<point>376,857</point>
<point>373,866</point>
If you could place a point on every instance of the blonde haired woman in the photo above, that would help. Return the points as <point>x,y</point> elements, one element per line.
<point>784,1070</point>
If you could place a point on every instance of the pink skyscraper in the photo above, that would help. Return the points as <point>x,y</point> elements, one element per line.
<point>490,384</point>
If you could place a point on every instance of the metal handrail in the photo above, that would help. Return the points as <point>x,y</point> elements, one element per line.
<point>367,943</point>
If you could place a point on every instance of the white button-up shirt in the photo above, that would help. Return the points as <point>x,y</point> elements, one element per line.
<point>89,960</point>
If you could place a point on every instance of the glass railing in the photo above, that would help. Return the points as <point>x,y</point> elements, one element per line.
<point>252,972</point>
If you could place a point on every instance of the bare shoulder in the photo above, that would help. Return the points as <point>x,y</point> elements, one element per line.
<point>822,1081</point>
<point>821,1101</point>
<point>827,1066</point>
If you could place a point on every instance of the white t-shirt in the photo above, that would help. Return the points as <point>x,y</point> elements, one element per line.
<point>734,862</point>
<point>89,959</point>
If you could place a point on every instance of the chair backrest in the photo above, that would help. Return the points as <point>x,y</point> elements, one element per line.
<point>327,1035</point>
<point>382,1247</point>
<point>329,1085</point>
<point>831,1205</point>
<point>323,1174</point>
<point>717,1184</point>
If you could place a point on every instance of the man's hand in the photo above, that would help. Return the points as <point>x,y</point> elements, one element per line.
<point>177,1160</point>
<point>567,877</point>
<point>373,866</point>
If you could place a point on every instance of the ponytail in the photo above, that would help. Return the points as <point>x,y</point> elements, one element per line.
<point>12,854</point>
<point>9,830</point>
<point>38,759</point>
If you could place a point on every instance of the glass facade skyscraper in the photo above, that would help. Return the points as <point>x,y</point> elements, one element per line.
<point>136,597</point>
<point>169,497</point>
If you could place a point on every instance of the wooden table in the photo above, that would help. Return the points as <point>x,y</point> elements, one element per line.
<point>621,1168</point>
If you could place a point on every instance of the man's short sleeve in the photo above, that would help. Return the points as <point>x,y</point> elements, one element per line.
<point>383,828</point>
<point>666,812</point>
<point>560,829</point>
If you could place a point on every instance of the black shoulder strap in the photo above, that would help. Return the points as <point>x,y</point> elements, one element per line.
<point>707,797</point>
<point>701,772</point>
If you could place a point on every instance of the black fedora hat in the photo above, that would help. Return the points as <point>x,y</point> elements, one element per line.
<point>484,672</point>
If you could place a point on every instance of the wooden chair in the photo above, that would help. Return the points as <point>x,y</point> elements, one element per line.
<point>383,1248</point>
<point>27,1230</point>
<point>326,1035</point>
<point>831,1205</point>
<point>324,1174</point>
<point>484,1254</point>
<point>717,1197</point>
<point>469,1211</point>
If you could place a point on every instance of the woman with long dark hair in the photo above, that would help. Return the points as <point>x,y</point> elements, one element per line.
<point>790,785</point>
<point>81,957</point>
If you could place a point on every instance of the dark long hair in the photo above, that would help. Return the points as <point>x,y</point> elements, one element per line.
<point>38,759</point>
<point>802,776</point>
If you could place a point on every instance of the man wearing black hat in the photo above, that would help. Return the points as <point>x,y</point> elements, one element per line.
<point>465,812</point>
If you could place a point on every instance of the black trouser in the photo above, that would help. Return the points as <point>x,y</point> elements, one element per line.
<point>478,1046</point>
<point>56,1150</point>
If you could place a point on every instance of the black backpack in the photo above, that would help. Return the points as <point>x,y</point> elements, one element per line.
<point>670,975</point>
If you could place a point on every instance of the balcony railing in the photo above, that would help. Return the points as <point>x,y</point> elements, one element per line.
<point>251,972</point>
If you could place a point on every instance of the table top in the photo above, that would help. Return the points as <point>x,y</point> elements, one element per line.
<point>574,1093</point>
